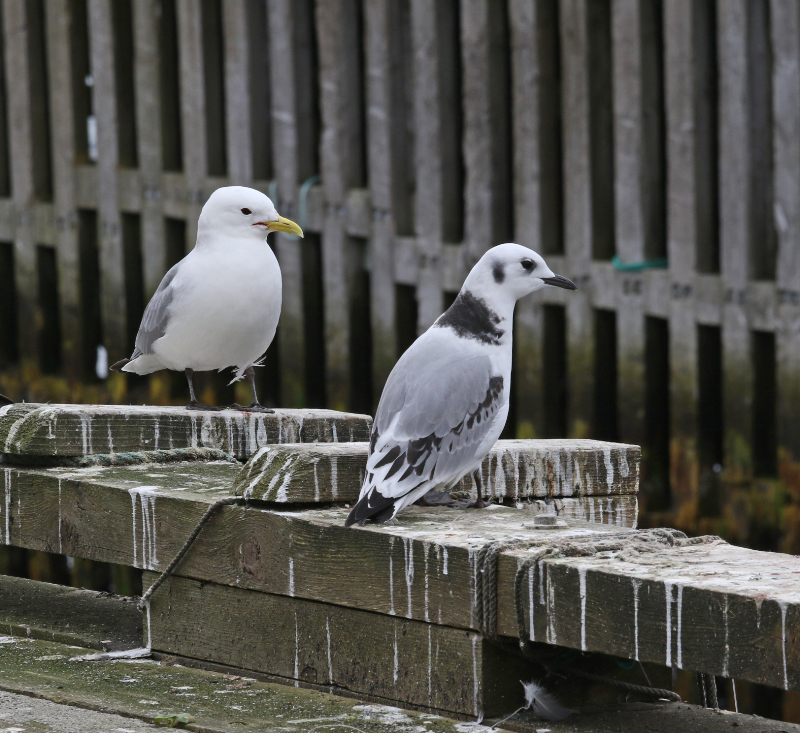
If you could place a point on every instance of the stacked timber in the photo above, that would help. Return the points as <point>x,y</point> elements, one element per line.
<point>276,585</point>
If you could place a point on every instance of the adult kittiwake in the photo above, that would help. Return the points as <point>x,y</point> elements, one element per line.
<point>446,400</point>
<point>219,306</point>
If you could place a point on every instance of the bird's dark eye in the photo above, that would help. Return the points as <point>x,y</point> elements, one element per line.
<point>246,212</point>
<point>528,265</point>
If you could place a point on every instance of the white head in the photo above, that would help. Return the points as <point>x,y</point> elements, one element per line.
<point>238,212</point>
<point>509,272</point>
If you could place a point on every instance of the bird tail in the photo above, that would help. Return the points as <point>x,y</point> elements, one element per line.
<point>373,506</point>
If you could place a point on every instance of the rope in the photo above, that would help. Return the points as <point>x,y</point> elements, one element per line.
<point>708,689</point>
<point>618,264</point>
<point>653,692</point>
<point>227,501</point>
<point>545,548</point>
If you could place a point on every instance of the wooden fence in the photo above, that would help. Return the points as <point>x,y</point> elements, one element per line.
<point>650,151</point>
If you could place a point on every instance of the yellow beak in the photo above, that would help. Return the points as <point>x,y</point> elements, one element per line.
<point>284,225</point>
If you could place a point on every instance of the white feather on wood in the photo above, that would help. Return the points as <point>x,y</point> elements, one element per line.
<point>543,703</point>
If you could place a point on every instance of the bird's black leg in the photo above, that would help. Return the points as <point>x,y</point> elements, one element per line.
<point>480,503</point>
<point>255,406</point>
<point>193,403</point>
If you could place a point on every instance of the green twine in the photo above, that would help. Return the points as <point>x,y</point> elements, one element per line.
<point>659,263</point>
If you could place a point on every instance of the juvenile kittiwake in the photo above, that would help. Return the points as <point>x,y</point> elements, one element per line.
<point>219,306</point>
<point>446,400</point>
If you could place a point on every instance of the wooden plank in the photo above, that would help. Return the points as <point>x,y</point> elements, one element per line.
<point>513,469</point>
<point>63,132</point>
<point>786,136</point>
<point>342,168</point>
<point>638,187</point>
<point>384,87</point>
<point>735,221</point>
<point>739,621</point>
<point>287,121</point>
<point>425,566</point>
<point>237,92</point>
<point>685,156</point>
<point>427,37</point>
<point>112,277</point>
<point>422,568</point>
<point>441,668</point>
<point>20,146</point>
<point>537,185</point>
<point>578,231</point>
<point>148,126</point>
<point>193,112</point>
<point>488,194</point>
<point>74,430</point>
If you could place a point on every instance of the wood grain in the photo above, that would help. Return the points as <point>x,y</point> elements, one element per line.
<point>73,430</point>
<point>442,668</point>
<point>513,469</point>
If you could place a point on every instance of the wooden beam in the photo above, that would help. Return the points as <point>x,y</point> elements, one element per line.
<point>74,430</point>
<point>20,143</point>
<point>425,566</point>
<point>412,662</point>
<point>518,469</point>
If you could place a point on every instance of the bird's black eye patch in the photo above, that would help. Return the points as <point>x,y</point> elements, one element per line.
<point>246,212</point>
<point>528,265</point>
<point>498,272</point>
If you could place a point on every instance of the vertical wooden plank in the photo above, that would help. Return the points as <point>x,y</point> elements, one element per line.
<point>735,214</point>
<point>578,209</point>
<point>148,124</point>
<point>237,92</point>
<point>786,131</point>
<point>190,42</point>
<point>285,143</point>
<point>342,168</point>
<point>683,34</point>
<point>528,26</point>
<point>382,57</point>
<point>633,187</point>
<point>487,140</point>
<point>21,148</point>
<point>63,134</point>
<point>425,31</point>
<point>480,192</point>
<point>112,277</point>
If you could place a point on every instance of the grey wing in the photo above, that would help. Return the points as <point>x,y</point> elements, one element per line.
<point>435,411</point>
<point>156,315</point>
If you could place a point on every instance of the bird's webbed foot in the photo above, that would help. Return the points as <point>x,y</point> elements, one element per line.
<point>479,503</point>
<point>195,405</point>
<point>254,407</point>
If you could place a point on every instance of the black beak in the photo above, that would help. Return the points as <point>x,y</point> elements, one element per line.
<point>560,282</point>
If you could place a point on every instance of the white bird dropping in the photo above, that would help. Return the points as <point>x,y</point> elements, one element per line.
<point>219,306</point>
<point>446,401</point>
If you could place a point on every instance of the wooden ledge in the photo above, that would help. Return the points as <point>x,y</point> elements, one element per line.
<point>518,469</point>
<point>75,430</point>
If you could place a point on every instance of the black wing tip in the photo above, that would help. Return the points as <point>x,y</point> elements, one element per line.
<point>117,366</point>
<point>5,401</point>
<point>362,511</point>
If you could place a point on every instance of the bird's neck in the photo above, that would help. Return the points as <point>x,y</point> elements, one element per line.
<point>488,320</point>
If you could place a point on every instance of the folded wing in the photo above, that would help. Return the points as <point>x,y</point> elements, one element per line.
<point>436,409</point>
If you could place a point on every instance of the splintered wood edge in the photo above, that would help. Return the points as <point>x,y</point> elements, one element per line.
<point>519,469</point>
